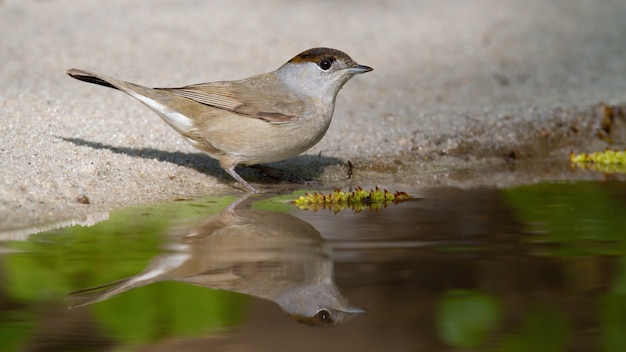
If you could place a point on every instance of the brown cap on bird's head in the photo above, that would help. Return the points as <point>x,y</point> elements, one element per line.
<point>324,58</point>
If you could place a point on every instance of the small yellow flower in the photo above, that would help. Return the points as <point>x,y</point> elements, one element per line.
<point>357,200</point>
<point>608,161</point>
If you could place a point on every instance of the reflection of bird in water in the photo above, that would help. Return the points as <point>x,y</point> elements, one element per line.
<point>274,256</point>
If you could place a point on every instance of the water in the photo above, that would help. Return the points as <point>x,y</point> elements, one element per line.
<point>539,267</point>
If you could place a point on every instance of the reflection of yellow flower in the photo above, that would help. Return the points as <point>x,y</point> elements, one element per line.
<point>609,161</point>
<point>357,200</point>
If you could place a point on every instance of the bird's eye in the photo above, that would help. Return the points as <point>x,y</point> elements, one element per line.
<point>323,316</point>
<point>325,64</point>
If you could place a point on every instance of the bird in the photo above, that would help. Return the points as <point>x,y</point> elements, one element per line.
<point>265,254</point>
<point>265,118</point>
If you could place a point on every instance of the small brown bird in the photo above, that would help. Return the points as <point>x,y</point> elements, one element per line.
<point>261,119</point>
<point>265,254</point>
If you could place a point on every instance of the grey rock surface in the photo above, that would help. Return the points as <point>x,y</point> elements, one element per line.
<point>454,83</point>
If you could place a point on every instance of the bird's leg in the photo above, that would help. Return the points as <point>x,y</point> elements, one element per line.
<point>231,172</point>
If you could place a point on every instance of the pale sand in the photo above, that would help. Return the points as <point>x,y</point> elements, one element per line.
<point>449,78</point>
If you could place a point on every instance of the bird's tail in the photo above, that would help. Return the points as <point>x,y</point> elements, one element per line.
<point>91,77</point>
<point>171,107</point>
<point>97,294</point>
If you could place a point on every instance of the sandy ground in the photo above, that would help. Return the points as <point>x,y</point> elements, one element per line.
<point>454,84</point>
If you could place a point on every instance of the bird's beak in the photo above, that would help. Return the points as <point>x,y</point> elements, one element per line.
<point>359,69</point>
<point>355,310</point>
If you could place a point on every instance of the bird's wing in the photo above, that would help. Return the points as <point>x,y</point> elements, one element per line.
<point>241,99</point>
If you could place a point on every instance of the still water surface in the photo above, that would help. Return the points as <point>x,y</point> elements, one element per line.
<point>532,268</point>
